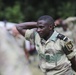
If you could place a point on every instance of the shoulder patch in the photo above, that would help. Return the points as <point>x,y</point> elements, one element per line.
<point>62,37</point>
<point>69,45</point>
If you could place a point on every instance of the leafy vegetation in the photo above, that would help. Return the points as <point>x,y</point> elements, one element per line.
<point>29,10</point>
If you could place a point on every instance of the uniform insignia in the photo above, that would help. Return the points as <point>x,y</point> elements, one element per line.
<point>62,37</point>
<point>69,45</point>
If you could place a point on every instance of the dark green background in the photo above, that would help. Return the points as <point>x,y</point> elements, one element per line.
<point>30,10</point>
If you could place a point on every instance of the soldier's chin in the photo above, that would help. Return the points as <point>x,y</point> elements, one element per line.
<point>41,36</point>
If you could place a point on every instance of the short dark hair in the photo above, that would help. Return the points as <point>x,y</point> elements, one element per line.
<point>48,19</point>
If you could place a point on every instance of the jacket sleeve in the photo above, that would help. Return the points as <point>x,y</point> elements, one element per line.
<point>68,49</point>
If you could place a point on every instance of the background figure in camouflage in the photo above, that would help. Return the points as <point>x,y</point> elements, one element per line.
<point>12,56</point>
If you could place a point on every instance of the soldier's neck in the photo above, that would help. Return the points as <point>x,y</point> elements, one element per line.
<point>48,35</point>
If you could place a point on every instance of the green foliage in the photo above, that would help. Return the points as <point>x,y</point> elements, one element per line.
<point>31,10</point>
<point>14,14</point>
<point>66,10</point>
<point>29,13</point>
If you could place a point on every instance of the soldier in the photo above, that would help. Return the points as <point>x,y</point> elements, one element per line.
<point>20,40</point>
<point>54,49</point>
<point>63,28</point>
<point>12,56</point>
<point>21,44</point>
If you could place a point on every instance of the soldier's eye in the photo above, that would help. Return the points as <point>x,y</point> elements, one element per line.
<point>41,26</point>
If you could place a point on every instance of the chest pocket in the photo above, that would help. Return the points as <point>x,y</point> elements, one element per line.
<point>54,58</point>
<point>53,52</point>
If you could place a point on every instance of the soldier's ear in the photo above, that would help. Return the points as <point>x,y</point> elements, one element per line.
<point>51,27</point>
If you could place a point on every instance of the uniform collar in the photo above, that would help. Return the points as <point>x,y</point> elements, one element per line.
<point>53,37</point>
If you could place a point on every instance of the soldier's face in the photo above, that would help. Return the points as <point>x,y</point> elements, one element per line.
<point>43,29</point>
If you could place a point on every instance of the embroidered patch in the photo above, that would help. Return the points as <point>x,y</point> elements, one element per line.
<point>69,45</point>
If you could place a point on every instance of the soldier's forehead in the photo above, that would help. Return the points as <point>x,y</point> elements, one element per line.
<point>41,22</point>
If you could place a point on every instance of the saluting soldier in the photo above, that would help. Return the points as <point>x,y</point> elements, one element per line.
<point>55,51</point>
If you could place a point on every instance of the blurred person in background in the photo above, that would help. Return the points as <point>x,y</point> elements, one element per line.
<point>22,45</point>
<point>12,55</point>
<point>20,40</point>
<point>55,51</point>
<point>67,27</point>
<point>63,29</point>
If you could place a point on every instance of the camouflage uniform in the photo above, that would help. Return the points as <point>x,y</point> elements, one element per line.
<point>12,57</point>
<point>53,61</point>
<point>74,35</point>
